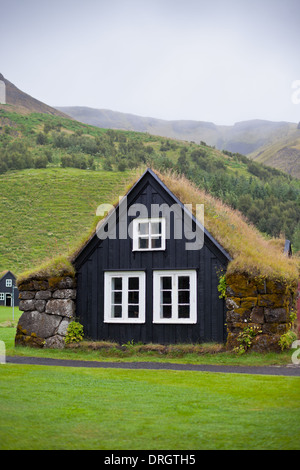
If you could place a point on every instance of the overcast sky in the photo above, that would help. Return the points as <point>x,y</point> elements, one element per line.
<point>210,60</point>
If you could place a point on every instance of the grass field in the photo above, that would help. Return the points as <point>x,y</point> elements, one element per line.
<point>69,408</point>
<point>76,408</point>
<point>45,211</point>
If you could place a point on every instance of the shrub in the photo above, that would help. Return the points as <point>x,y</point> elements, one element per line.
<point>74,333</point>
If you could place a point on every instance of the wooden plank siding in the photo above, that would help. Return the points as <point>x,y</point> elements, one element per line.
<point>100,256</point>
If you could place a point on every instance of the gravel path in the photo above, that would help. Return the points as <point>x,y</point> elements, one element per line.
<point>289,370</point>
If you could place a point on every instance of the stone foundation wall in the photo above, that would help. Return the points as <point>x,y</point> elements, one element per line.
<point>48,307</point>
<point>264,305</point>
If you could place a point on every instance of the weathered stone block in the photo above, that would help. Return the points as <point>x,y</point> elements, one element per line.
<point>248,302</point>
<point>62,307</point>
<point>257,315</point>
<point>25,305</point>
<point>43,295</point>
<point>271,300</point>
<point>276,315</point>
<point>62,329</point>
<point>64,294</point>
<point>240,285</point>
<point>40,305</point>
<point>37,323</point>
<point>55,342</point>
<point>266,342</point>
<point>26,295</point>
<point>232,303</point>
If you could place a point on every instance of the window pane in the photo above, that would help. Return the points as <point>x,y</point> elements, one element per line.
<point>166,282</point>
<point>184,297</point>
<point>133,297</point>
<point>133,311</point>
<point>183,282</point>
<point>156,242</point>
<point>117,298</point>
<point>143,243</point>
<point>144,228</point>
<point>116,311</point>
<point>116,283</point>
<point>133,283</point>
<point>156,228</point>
<point>183,311</point>
<point>166,311</point>
<point>166,297</point>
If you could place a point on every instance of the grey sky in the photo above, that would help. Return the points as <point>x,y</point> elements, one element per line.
<point>213,60</point>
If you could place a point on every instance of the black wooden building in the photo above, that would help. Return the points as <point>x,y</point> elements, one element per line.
<point>9,294</point>
<point>151,286</point>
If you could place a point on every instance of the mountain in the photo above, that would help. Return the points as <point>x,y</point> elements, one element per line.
<point>249,138</point>
<point>20,102</point>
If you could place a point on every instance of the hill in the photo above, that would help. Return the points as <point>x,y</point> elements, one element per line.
<point>249,138</point>
<point>35,228</point>
<point>283,153</point>
<point>17,100</point>
<point>269,198</point>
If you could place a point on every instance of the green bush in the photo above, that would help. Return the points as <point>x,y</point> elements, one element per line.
<point>74,333</point>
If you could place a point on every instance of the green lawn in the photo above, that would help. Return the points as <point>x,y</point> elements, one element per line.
<point>69,408</point>
<point>77,408</point>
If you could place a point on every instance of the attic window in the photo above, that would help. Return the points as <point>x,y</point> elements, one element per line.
<point>8,283</point>
<point>149,234</point>
<point>174,296</point>
<point>124,297</point>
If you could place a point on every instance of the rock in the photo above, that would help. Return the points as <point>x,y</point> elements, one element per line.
<point>55,342</point>
<point>40,305</point>
<point>43,295</point>
<point>232,303</point>
<point>276,315</point>
<point>40,324</point>
<point>257,315</point>
<point>64,294</point>
<point>266,342</point>
<point>62,329</point>
<point>271,300</point>
<point>25,305</point>
<point>62,307</point>
<point>26,295</point>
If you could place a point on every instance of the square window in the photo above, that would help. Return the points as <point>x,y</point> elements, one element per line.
<point>8,283</point>
<point>124,297</point>
<point>149,234</point>
<point>175,296</point>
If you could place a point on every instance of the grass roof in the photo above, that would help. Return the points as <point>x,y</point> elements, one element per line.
<point>251,252</point>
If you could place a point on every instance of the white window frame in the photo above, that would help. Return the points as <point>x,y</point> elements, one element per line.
<point>125,275</point>
<point>174,274</point>
<point>2,296</point>
<point>8,283</point>
<point>150,236</point>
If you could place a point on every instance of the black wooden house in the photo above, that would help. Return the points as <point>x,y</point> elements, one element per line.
<point>150,287</point>
<point>9,294</point>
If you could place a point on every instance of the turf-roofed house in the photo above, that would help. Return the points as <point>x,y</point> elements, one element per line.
<point>9,295</point>
<point>158,270</point>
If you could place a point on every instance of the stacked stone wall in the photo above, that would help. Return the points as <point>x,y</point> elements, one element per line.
<point>264,305</point>
<point>48,307</point>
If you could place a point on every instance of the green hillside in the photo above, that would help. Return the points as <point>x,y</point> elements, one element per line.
<point>44,212</point>
<point>74,167</point>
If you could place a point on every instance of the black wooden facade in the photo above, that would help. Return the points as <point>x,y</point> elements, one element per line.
<point>116,255</point>
<point>9,294</point>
